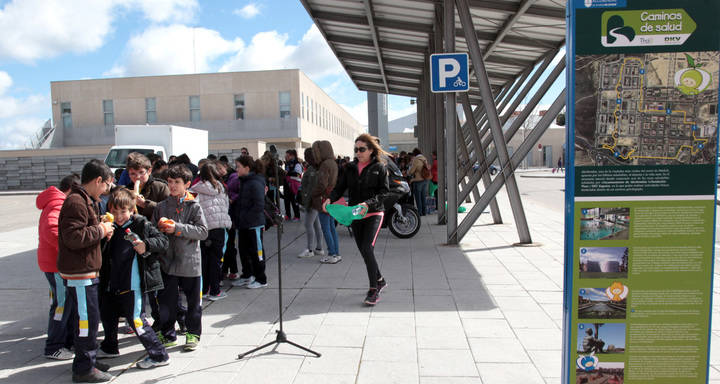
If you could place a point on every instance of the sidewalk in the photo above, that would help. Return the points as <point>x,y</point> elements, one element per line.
<point>483,312</point>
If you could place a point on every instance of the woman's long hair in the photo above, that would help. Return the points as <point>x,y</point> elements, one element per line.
<point>209,172</point>
<point>375,148</point>
<point>256,166</point>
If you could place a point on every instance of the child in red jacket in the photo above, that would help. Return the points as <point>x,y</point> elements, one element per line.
<point>60,329</point>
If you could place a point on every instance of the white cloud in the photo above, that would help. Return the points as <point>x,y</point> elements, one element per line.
<point>5,82</point>
<point>270,50</point>
<point>20,117</point>
<point>359,112</point>
<point>160,11</point>
<point>248,12</point>
<point>174,49</point>
<point>37,29</point>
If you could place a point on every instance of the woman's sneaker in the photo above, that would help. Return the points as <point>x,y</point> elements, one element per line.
<point>61,354</point>
<point>306,253</point>
<point>319,252</point>
<point>331,259</point>
<point>256,284</point>
<point>101,354</point>
<point>243,281</point>
<point>217,297</point>
<point>373,296</point>
<point>148,363</point>
<point>382,283</point>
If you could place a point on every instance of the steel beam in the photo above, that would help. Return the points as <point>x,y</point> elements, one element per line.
<point>370,14</point>
<point>516,159</point>
<point>438,123</point>
<point>466,158</point>
<point>507,27</point>
<point>480,154</point>
<point>494,121</point>
<point>451,129</point>
<point>528,109</point>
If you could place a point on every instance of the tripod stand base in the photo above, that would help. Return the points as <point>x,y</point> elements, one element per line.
<point>281,338</point>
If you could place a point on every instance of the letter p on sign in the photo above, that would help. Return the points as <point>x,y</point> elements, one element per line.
<point>449,72</point>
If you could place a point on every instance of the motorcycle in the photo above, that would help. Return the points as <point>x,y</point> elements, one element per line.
<point>402,218</point>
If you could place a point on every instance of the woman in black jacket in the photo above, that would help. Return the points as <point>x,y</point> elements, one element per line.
<point>249,219</point>
<point>367,183</point>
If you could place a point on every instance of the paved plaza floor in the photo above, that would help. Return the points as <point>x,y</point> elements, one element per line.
<point>482,312</point>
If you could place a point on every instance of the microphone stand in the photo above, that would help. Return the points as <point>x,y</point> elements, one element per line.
<point>281,336</point>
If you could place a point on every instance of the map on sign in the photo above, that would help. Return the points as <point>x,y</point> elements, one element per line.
<point>646,109</point>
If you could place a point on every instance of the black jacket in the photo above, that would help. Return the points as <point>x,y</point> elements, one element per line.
<point>247,209</point>
<point>371,187</point>
<point>148,263</point>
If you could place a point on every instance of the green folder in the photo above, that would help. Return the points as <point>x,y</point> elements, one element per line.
<point>344,214</point>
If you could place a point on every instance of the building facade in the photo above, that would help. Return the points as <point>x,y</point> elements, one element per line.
<point>280,107</point>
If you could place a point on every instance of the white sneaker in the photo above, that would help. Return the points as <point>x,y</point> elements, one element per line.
<point>331,259</point>
<point>61,354</point>
<point>319,252</point>
<point>256,284</point>
<point>306,253</point>
<point>243,281</point>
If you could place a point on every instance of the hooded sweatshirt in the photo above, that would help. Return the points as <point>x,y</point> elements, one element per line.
<point>327,173</point>
<point>49,201</point>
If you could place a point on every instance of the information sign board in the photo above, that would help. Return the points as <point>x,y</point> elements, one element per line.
<point>640,190</point>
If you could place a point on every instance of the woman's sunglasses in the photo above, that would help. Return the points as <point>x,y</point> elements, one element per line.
<point>360,149</point>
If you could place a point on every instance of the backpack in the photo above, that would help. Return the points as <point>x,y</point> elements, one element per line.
<point>273,216</point>
<point>425,171</point>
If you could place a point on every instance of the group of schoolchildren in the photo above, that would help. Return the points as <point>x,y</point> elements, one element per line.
<point>107,251</point>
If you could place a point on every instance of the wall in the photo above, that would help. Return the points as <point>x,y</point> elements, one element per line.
<point>41,168</point>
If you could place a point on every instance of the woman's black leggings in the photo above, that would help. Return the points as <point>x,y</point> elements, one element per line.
<point>365,232</point>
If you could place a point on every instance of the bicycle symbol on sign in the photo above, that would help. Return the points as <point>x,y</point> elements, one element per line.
<point>459,82</point>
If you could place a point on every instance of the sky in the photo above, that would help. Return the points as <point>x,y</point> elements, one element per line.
<point>595,294</point>
<point>53,40</point>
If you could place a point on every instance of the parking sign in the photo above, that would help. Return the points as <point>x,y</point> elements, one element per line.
<point>449,72</point>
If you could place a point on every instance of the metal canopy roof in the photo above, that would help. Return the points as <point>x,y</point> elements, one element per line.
<point>382,44</point>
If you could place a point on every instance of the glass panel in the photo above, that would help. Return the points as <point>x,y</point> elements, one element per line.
<point>194,115</point>
<point>108,119</point>
<point>284,98</point>
<point>194,102</point>
<point>240,100</point>
<point>107,106</point>
<point>67,120</point>
<point>150,104</point>
<point>151,117</point>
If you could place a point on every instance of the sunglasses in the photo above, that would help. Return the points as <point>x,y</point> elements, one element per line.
<point>361,149</point>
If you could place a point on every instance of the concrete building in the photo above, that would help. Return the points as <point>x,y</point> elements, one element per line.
<point>280,107</point>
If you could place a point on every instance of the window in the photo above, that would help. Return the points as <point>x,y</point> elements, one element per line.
<point>194,108</point>
<point>284,105</point>
<point>302,107</point>
<point>240,106</point>
<point>66,113</point>
<point>108,113</point>
<point>150,110</point>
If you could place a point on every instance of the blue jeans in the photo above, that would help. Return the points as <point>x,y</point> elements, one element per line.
<point>331,238</point>
<point>419,191</point>
<point>61,330</point>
